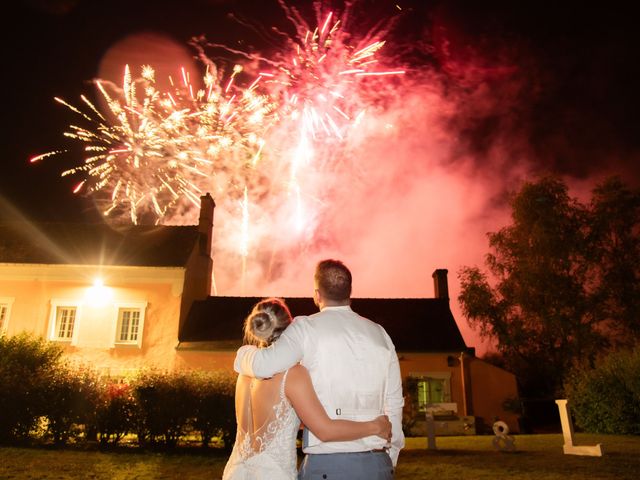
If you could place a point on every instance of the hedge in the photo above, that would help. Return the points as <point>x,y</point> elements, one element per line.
<point>44,399</point>
<point>28,365</point>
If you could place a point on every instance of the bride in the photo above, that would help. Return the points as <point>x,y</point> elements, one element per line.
<point>269,411</point>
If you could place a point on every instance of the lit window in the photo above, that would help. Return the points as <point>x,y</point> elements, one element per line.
<point>64,320</point>
<point>65,323</point>
<point>433,388</point>
<point>4,316</point>
<point>5,312</point>
<point>430,390</point>
<point>128,325</point>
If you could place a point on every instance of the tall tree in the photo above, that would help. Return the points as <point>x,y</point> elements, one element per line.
<point>552,296</point>
<point>615,240</point>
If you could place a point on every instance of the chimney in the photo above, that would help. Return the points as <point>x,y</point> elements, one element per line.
<point>440,284</point>
<point>205,224</point>
<point>198,277</point>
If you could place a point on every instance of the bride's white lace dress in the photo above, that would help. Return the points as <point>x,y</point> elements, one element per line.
<point>265,445</point>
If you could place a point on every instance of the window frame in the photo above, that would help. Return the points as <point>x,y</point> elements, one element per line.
<point>445,377</point>
<point>7,303</point>
<point>53,319</point>
<point>122,306</point>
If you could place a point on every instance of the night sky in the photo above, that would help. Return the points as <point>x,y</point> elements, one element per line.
<point>497,92</point>
<point>563,76</point>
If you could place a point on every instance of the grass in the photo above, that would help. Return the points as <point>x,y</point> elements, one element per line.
<point>537,457</point>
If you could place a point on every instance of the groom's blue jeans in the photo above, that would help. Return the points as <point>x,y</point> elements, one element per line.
<point>347,466</point>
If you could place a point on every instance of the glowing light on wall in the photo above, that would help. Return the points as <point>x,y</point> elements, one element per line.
<point>98,295</point>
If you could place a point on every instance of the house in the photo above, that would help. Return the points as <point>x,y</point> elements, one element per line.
<point>442,376</point>
<point>113,297</point>
<point>124,298</point>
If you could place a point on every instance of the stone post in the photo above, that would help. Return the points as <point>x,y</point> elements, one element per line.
<point>431,432</point>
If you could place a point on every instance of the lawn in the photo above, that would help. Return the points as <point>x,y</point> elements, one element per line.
<point>537,457</point>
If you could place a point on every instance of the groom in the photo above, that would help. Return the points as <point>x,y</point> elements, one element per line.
<point>355,372</point>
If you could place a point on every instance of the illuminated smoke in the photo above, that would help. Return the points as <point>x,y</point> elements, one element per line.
<point>375,170</point>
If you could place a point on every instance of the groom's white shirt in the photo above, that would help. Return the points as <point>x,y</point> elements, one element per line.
<point>354,368</point>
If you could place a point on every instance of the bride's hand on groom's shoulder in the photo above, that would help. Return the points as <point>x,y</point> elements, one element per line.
<point>383,426</point>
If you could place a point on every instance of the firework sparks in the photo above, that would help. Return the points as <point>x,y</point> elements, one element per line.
<point>319,81</point>
<point>277,145</point>
<point>244,240</point>
<point>320,85</point>
<point>323,83</point>
<point>150,150</point>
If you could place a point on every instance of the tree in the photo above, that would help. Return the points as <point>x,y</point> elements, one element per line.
<point>560,277</point>
<point>615,239</point>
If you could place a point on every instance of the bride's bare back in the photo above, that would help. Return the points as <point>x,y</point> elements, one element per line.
<point>257,404</point>
<point>267,424</point>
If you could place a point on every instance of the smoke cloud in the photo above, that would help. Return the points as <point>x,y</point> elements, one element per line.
<point>426,174</point>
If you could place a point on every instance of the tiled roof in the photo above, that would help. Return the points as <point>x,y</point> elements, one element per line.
<point>414,324</point>
<point>96,244</point>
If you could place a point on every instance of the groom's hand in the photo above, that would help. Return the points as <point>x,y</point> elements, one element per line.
<point>384,427</point>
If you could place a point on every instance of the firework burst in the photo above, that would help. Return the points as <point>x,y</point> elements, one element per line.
<point>319,81</point>
<point>271,153</point>
<point>324,82</point>
<point>149,151</point>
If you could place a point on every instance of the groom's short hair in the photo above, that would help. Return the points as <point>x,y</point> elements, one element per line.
<point>333,279</point>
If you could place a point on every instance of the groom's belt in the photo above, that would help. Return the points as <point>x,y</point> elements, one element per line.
<point>375,450</point>
<point>357,411</point>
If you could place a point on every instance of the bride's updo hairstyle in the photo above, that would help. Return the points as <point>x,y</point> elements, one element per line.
<point>266,322</point>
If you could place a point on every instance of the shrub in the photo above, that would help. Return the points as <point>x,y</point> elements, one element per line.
<point>165,403</point>
<point>71,397</point>
<point>115,414</point>
<point>27,365</point>
<point>606,399</point>
<point>411,412</point>
<point>214,406</point>
<point>40,393</point>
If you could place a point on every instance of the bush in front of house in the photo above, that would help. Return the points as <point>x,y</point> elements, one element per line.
<point>165,402</point>
<point>44,399</point>
<point>27,365</point>
<point>214,406</point>
<point>411,410</point>
<point>115,413</point>
<point>71,398</point>
<point>606,399</point>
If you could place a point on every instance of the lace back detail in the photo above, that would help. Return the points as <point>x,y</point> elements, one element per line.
<point>276,438</point>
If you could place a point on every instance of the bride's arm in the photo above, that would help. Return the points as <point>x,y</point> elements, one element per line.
<point>299,390</point>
